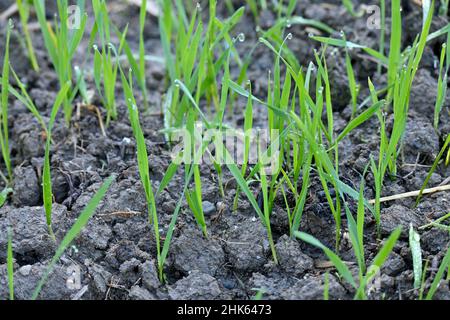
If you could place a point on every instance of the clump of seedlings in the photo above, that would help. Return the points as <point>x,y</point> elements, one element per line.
<point>62,41</point>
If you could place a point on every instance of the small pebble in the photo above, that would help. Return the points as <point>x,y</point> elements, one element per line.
<point>208,207</point>
<point>25,270</point>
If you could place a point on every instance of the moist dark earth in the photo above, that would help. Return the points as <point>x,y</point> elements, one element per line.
<point>115,252</point>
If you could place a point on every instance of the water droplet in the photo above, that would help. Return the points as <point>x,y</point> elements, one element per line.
<point>310,35</point>
<point>289,36</point>
<point>241,37</point>
<point>342,34</point>
<point>198,6</point>
<point>444,45</point>
<point>288,23</point>
<point>95,47</point>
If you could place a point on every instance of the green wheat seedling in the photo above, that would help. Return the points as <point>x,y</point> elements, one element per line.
<point>356,233</point>
<point>438,223</point>
<point>24,13</point>
<point>256,7</point>
<point>382,39</point>
<point>4,195</point>
<point>46,174</point>
<point>277,34</point>
<point>264,215</point>
<point>267,208</point>
<point>348,4</point>
<point>352,84</point>
<point>326,287</point>
<point>137,61</point>
<point>339,42</point>
<point>253,5</point>
<point>445,265</point>
<point>141,79</point>
<point>399,93</point>
<point>259,294</point>
<point>142,158</point>
<point>10,265</point>
<point>434,167</point>
<point>25,98</point>
<point>286,9</point>
<point>106,59</point>
<point>168,176</point>
<point>443,9</point>
<point>344,271</point>
<point>248,126</point>
<point>394,63</point>
<point>61,44</point>
<point>194,197</point>
<point>423,280</point>
<point>74,231</point>
<point>4,134</point>
<point>442,81</point>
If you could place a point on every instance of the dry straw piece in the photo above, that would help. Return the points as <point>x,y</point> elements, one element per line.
<point>412,194</point>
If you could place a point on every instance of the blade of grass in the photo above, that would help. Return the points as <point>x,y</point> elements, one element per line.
<point>76,228</point>
<point>24,13</point>
<point>4,130</point>
<point>439,275</point>
<point>47,194</point>
<point>342,268</point>
<point>10,266</point>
